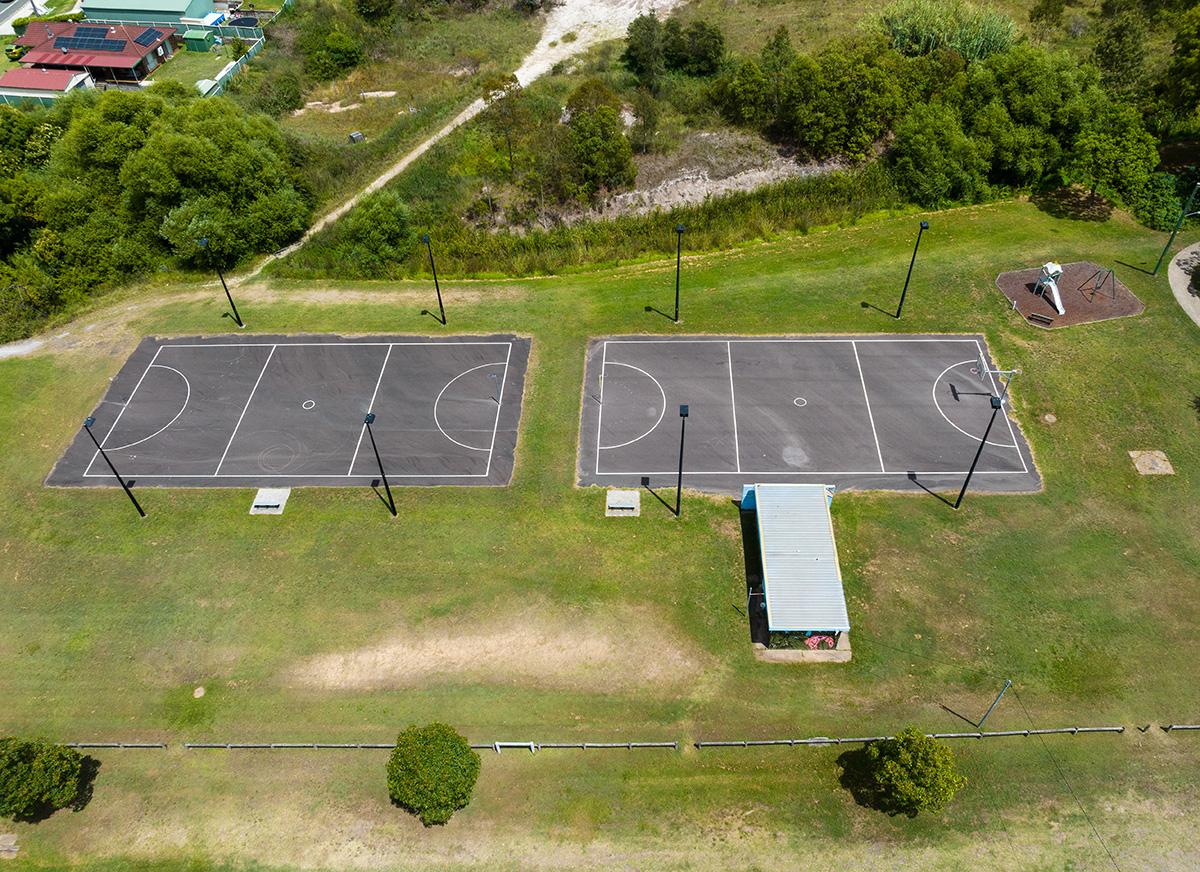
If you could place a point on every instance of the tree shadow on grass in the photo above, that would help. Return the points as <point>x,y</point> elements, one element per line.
<point>1073,203</point>
<point>89,769</point>
<point>856,778</point>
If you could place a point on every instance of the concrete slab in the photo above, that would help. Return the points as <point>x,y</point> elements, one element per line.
<point>252,411</point>
<point>861,412</point>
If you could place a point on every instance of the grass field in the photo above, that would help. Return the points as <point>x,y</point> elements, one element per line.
<point>521,613</point>
<point>189,67</point>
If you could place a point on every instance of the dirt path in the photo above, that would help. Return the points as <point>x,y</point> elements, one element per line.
<point>1184,275</point>
<point>591,21</point>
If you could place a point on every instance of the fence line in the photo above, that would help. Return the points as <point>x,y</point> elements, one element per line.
<point>862,740</point>
<point>533,747</point>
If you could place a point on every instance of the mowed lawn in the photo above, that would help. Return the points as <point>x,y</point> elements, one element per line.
<point>522,613</point>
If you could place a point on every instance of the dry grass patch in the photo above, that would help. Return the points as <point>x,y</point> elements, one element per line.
<point>618,653</point>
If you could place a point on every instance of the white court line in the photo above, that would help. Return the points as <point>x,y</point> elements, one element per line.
<point>370,406</point>
<point>251,476</point>
<point>870,415</point>
<point>654,426</point>
<point>1007,420</point>
<point>600,413</point>
<point>182,409</point>
<point>496,426</point>
<point>928,472</point>
<point>737,451</point>
<point>946,418</point>
<point>244,408</point>
<point>128,400</point>
<point>438,399</point>
<point>322,344</point>
<point>763,341</point>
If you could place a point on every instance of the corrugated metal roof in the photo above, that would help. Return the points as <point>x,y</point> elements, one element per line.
<point>39,80</point>
<point>801,577</point>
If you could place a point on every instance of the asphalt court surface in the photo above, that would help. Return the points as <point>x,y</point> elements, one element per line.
<point>288,411</point>
<point>864,412</point>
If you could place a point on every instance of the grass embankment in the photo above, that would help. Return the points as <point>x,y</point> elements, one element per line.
<point>1084,595</point>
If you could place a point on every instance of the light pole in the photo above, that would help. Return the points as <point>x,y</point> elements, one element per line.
<point>683,415</point>
<point>436,286</point>
<point>904,293</point>
<point>87,425</point>
<point>203,243</point>
<point>678,259</point>
<point>369,420</point>
<point>1183,216</point>
<point>996,403</point>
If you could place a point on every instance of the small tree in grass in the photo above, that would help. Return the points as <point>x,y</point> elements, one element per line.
<point>911,773</point>
<point>37,778</point>
<point>432,772</point>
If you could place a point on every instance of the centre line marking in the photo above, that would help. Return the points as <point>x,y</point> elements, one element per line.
<point>737,451</point>
<point>499,404</point>
<point>233,436</point>
<point>370,406</point>
<point>870,415</point>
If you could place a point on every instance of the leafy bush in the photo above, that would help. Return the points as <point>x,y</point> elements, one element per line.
<point>695,50</point>
<point>432,772</point>
<point>912,773</point>
<point>1157,205</point>
<point>20,24</point>
<point>38,778</point>
<point>934,162</point>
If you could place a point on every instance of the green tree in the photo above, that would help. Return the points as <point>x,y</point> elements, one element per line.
<point>645,126</point>
<point>696,50</point>
<point>505,111</point>
<point>912,773</point>
<point>432,772</point>
<point>1121,53</point>
<point>380,226</point>
<point>933,162</point>
<point>776,61</point>
<point>643,54</point>
<point>1183,74</point>
<point>38,778</point>
<point>601,156</point>
<point>1113,154</point>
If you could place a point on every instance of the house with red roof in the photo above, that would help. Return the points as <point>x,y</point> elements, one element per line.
<point>26,84</point>
<point>109,53</point>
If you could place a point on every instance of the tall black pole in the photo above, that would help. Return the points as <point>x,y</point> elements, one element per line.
<point>904,293</point>
<point>996,403</point>
<point>391,502</point>
<point>436,286</point>
<point>87,425</point>
<point>1187,209</point>
<point>683,415</point>
<point>229,296</point>
<point>678,259</point>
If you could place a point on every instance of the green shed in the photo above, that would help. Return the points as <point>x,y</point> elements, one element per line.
<point>198,40</point>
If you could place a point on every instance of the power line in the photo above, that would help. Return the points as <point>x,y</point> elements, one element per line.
<point>1063,777</point>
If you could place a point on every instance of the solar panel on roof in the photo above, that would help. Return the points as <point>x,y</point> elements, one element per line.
<point>71,43</point>
<point>91,33</point>
<point>148,36</point>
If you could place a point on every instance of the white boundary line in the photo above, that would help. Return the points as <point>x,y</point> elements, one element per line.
<point>328,344</point>
<point>438,399</point>
<point>250,398</point>
<point>251,476</point>
<point>661,414</point>
<point>824,472</point>
<point>499,405</point>
<point>117,420</point>
<point>870,416</point>
<point>750,340</point>
<point>600,413</point>
<point>187,397</point>
<point>370,406</point>
<point>737,451</point>
<point>996,390</point>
